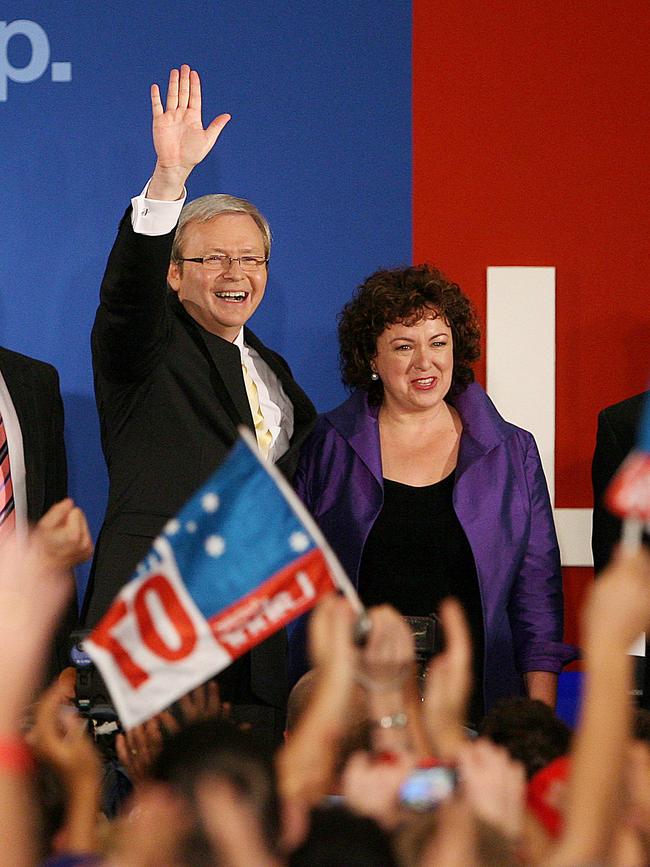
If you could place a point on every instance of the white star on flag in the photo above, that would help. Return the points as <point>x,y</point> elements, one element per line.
<point>215,546</point>
<point>299,541</point>
<point>210,502</point>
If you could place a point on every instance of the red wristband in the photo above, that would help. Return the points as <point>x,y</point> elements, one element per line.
<point>15,755</point>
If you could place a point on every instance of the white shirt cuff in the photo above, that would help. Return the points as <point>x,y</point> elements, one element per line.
<point>153,217</point>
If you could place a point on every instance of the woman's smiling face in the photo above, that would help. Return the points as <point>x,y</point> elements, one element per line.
<point>415,363</point>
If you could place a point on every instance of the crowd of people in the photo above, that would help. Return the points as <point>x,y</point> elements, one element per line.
<point>334,744</point>
<point>377,766</point>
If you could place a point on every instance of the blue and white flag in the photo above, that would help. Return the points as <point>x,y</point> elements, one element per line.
<point>240,560</point>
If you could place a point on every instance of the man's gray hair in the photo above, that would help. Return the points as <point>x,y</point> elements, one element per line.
<point>206,208</point>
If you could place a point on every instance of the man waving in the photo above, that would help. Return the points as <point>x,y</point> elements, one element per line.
<point>177,370</point>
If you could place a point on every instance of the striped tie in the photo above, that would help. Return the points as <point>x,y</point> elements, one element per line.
<point>7,511</point>
<point>262,432</point>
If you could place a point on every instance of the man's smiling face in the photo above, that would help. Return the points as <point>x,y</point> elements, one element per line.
<point>221,302</point>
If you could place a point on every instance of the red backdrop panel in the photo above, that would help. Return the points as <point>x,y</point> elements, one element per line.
<point>530,131</point>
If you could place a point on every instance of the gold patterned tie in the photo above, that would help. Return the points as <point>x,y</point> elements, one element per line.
<point>262,432</point>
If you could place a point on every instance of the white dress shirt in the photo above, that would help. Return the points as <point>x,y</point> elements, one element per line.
<point>153,217</point>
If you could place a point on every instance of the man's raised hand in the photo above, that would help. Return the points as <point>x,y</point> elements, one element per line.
<point>179,138</point>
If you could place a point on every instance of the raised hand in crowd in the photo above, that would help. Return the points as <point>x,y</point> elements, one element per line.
<point>617,611</point>
<point>179,138</point>
<point>371,784</point>
<point>638,784</point>
<point>448,684</point>
<point>481,823</point>
<point>232,826</point>
<point>387,672</point>
<point>35,585</point>
<point>59,737</point>
<point>202,702</point>
<point>494,786</point>
<point>306,762</point>
<point>150,834</point>
<point>34,589</point>
<point>139,747</point>
<point>64,536</point>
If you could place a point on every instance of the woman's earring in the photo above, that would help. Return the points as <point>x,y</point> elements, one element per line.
<point>374,376</point>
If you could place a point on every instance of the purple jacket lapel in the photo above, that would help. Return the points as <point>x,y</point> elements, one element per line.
<point>483,427</point>
<point>357,422</point>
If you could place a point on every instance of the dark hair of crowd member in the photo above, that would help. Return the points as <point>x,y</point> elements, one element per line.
<point>339,837</point>
<point>215,747</point>
<point>529,730</point>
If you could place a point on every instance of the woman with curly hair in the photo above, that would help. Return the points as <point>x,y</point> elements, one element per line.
<point>424,491</point>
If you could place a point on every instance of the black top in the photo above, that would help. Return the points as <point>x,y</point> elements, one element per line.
<point>417,554</point>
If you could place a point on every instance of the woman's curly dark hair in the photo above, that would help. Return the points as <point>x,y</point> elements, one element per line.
<point>404,295</point>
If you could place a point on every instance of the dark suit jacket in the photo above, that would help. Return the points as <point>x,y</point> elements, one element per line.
<point>617,428</point>
<point>170,396</point>
<point>34,389</point>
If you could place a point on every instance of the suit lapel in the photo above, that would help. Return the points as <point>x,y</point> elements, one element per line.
<point>228,376</point>
<point>225,364</point>
<point>228,381</point>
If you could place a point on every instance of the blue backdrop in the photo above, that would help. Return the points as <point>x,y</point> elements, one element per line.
<point>320,140</point>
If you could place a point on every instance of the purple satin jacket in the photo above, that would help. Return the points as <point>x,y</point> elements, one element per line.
<point>502,502</point>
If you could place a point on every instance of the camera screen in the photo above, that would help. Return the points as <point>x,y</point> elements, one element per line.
<point>427,787</point>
